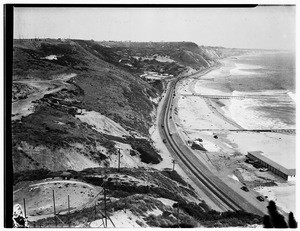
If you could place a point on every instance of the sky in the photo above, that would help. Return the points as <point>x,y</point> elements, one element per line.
<point>263,27</point>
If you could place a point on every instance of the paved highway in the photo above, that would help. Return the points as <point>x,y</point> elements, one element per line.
<point>221,194</point>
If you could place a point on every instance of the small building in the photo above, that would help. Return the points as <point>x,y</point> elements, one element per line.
<point>287,174</point>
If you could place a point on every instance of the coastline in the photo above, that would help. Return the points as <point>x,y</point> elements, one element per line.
<point>197,117</point>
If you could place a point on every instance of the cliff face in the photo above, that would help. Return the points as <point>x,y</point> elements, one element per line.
<point>107,104</point>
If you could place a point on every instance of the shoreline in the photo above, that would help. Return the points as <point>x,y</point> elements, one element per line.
<point>227,153</point>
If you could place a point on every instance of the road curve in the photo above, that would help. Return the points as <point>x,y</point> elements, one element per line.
<point>221,194</point>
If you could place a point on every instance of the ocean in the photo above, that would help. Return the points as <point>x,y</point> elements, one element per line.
<point>269,81</point>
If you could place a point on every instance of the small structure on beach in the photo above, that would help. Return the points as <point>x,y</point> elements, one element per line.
<point>287,174</point>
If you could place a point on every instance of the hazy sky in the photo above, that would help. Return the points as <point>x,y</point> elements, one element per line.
<point>260,27</point>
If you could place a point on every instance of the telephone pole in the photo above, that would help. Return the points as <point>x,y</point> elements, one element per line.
<point>119,159</point>
<point>178,214</point>
<point>105,213</point>
<point>54,209</point>
<point>69,211</point>
<point>95,210</point>
<point>24,208</point>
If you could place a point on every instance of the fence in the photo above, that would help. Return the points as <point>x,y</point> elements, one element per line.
<point>59,222</point>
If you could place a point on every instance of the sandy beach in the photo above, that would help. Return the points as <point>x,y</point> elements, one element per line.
<point>225,138</point>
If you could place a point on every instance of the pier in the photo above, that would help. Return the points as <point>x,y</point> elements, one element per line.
<point>229,96</point>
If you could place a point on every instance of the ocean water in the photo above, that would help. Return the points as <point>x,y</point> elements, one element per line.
<point>269,81</point>
<point>269,71</point>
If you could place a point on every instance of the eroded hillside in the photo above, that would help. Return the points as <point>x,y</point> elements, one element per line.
<point>78,105</point>
<point>107,104</point>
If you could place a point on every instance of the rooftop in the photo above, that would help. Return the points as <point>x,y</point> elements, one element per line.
<point>257,154</point>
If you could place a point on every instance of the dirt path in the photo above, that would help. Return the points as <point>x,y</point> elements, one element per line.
<point>24,107</point>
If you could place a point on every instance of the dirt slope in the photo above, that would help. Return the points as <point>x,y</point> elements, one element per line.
<point>62,130</point>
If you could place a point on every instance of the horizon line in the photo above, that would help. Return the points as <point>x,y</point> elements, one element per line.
<point>221,46</point>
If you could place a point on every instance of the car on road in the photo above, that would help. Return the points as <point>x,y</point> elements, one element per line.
<point>245,189</point>
<point>164,140</point>
<point>162,126</point>
<point>260,198</point>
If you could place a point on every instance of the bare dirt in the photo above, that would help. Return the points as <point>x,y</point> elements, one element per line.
<point>39,197</point>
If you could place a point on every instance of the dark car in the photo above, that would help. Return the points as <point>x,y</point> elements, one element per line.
<point>162,126</point>
<point>260,198</point>
<point>164,140</point>
<point>245,189</point>
<point>257,165</point>
<point>249,161</point>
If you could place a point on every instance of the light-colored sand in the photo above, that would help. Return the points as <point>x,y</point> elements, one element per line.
<point>102,123</point>
<point>126,160</point>
<point>277,147</point>
<point>121,220</point>
<point>199,113</point>
<point>158,143</point>
<point>61,158</point>
<point>284,195</point>
<point>39,197</point>
<point>225,155</point>
<point>50,57</point>
<point>166,201</point>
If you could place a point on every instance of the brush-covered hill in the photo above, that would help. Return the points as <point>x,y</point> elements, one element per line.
<point>141,197</point>
<point>72,126</point>
<point>77,106</point>
<point>77,102</point>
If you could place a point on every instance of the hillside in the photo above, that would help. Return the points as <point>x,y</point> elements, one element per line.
<point>88,84</point>
<point>80,105</point>
<point>135,198</point>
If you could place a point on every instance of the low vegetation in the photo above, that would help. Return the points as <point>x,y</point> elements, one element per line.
<point>52,141</point>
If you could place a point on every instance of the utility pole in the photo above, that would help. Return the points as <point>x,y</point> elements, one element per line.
<point>54,209</point>
<point>125,206</point>
<point>119,159</point>
<point>178,214</point>
<point>105,213</point>
<point>69,211</point>
<point>95,210</point>
<point>24,208</point>
<point>173,161</point>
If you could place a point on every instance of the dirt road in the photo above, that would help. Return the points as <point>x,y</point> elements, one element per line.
<point>24,107</point>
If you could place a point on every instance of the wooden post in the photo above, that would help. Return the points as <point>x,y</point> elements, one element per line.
<point>119,159</point>
<point>178,215</point>
<point>24,208</point>
<point>105,214</point>
<point>95,210</point>
<point>173,161</point>
<point>54,209</point>
<point>125,205</point>
<point>69,211</point>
